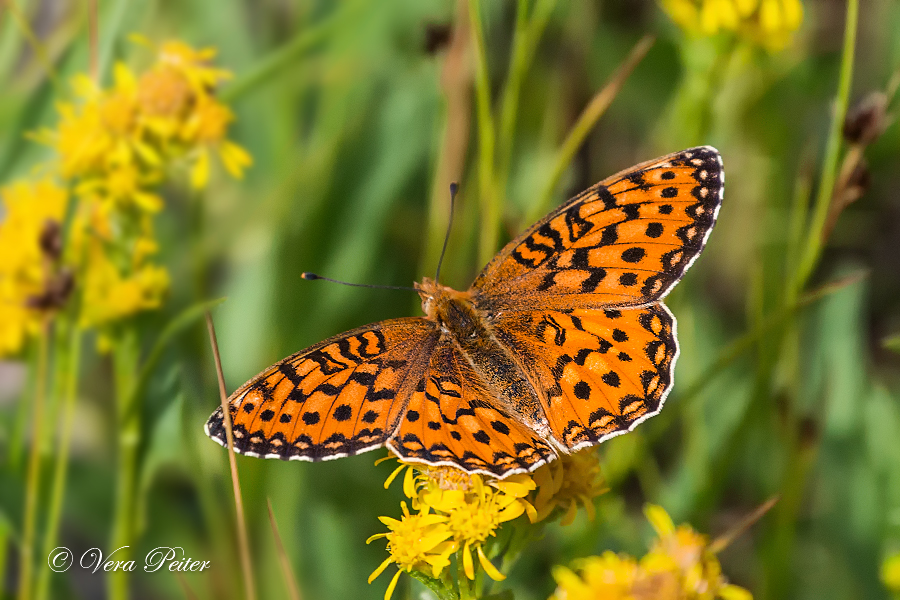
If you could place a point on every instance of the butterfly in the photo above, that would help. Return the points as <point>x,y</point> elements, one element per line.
<point>562,342</point>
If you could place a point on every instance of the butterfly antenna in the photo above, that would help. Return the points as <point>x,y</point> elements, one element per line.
<point>313,277</point>
<point>454,188</point>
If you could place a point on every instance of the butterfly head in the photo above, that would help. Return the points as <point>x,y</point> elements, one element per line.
<point>436,298</point>
<point>429,290</point>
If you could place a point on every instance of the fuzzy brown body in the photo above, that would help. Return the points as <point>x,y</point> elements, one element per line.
<point>470,331</point>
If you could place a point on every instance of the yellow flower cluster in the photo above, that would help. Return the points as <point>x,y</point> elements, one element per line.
<point>114,147</point>
<point>459,513</point>
<point>769,23</point>
<point>679,566</point>
<point>120,141</point>
<point>566,483</point>
<point>25,274</point>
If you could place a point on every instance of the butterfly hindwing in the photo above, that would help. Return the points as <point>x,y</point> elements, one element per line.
<point>624,242</point>
<point>340,397</point>
<point>453,419</point>
<point>599,372</point>
<point>562,342</point>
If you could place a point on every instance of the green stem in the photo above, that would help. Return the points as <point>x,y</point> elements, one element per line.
<point>814,240</point>
<point>714,81</point>
<point>4,544</point>
<point>527,35</point>
<point>509,106</point>
<point>586,122</point>
<point>462,581</point>
<point>490,202</point>
<point>111,31</point>
<point>125,359</point>
<point>34,467</point>
<point>61,467</point>
<point>798,217</point>
<point>438,587</point>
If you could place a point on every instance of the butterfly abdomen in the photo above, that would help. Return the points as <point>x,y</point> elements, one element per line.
<point>495,367</point>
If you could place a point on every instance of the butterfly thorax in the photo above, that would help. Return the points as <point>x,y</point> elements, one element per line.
<point>470,330</point>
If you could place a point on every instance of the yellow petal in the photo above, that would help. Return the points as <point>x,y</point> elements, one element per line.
<point>409,484</point>
<point>733,592</point>
<point>745,8</point>
<point>589,508</point>
<point>200,170</point>
<point>793,14</point>
<point>511,512</point>
<point>235,158</point>
<point>660,520</point>
<point>393,475</point>
<point>569,517</point>
<point>683,12</point>
<point>770,19</point>
<point>391,586</point>
<point>530,511</point>
<point>380,569</point>
<point>489,567</point>
<point>468,567</point>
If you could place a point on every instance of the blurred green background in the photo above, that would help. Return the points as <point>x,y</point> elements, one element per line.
<point>358,115</point>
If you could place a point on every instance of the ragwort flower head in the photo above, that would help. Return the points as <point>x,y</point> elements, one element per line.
<point>419,541</point>
<point>101,129</point>
<point>609,576</point>
<point>768,23</point>
<point>205,130</point>
<point>568,482</point>
<point>474,507</point>
<point>679,566</point>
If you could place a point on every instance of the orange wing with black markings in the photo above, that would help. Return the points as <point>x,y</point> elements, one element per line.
<point>599,372</point>
<point>453,419</point>
<point>624,242</point>
<point>340,397</point>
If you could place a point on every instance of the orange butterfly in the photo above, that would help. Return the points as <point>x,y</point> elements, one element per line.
<point>561,343</point>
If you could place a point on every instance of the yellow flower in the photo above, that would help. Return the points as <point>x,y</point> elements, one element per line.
<point>110,294</point>
<point>27,207</point>
<point>606,577</point>
<point>101,129</point>
<point>123,187</point>
<point>192,64</point>
<point>769,23</point>
<point>474,507</point>
<point>417,542</point>
<point>164,92</point>
<point>679,566</point>
<point>565,483</point>
<point>890,573</point>
<point>205,129</point>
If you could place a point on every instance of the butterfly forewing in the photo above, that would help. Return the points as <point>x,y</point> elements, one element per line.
<point>453,419</point>
<point>624,242</point>
<point>560,343</point>
<point>340,397</point>
<point>598,372</point>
